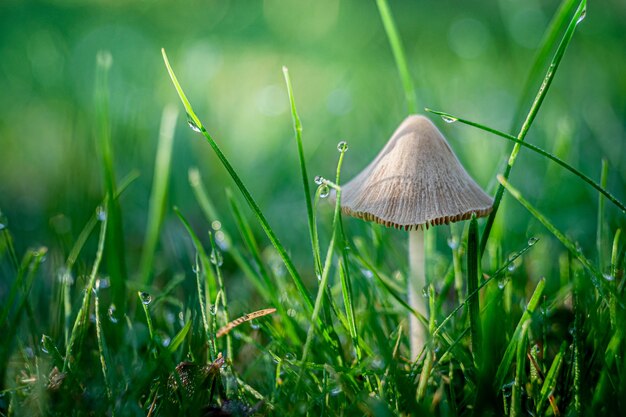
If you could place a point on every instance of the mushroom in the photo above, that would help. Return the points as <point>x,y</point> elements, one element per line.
<point>414,182</point>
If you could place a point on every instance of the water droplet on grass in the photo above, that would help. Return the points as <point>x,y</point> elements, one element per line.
<point>453,243</point>
<point>449,119</point>
<point>511,267</point>
<point>111,314</point>
<point>425,292</point>
<point>291,312</point>
<point>101,213</point>
<point>502,282</point>
<point>324,191</point>
<point>608,277</point>
<point>216,225</point>
<point>192,124</point>
<point>532,241</point>
<point>216,258</point>
<point>103,282</point>
<point>582,16</point>
<point>342,146</point>
<point>43,344</point>
<point>319,180</point>
<point>145,298</point>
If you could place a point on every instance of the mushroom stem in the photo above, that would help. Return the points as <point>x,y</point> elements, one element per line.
<point>416,283</point>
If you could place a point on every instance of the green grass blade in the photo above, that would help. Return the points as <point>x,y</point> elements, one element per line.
<point>549,385</point>
<point>604,173</point>
<point>179,338</point>
<point>398,54</point>
<point>102,348</point>
<point>81,318</point>
<point>532,113</point>
<point>216,260</point>
<point>50,347</point>
<point>598,187</point>
<point>116,253</point>
<point>596,276</point>
<point>158,195</point>
<point>507,359</point>
<point>556,26</point>
<point>144,299</point>
<point>297,127</point>
<point>520,371</point>
<point>306,298</point>
<point>472,288</point>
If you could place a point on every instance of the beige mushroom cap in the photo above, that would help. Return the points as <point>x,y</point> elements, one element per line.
<point>414,182</point>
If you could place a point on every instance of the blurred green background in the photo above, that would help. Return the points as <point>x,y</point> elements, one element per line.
<point>467,58</point>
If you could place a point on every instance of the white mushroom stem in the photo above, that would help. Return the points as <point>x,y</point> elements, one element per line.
<point>416,283</point>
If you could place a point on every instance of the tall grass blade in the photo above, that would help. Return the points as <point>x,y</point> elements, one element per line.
<point>158,195</point>
<point>507,359</point>
<point>297,127</point>
<point>196,124</point>
<point>216,260</point>
<point>520,371</point>
<point>81,321</point>
<point>604,173</point>
<point>472,288</point>
<point>116,253</point>
<point>532,113</point>
<point>102,348</point>
<point>549,384</point>
<point>556,26</point>
<point>598,187</point>
<point>398,54</point>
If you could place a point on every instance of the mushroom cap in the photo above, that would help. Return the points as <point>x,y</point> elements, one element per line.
<point>415,181</point>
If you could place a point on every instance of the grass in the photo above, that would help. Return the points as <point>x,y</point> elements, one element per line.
<point>499,344</point>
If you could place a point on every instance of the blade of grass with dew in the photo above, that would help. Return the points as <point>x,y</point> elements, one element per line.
<point>520,371</point>
<point>344,269</point>
<point>79,243</point>
<point>158,195</point>
<point>217,263</point>
<point>496,275</point>
<point>211,215</point>
<point>116,259</point>
<point>532,113</point>
<point>144,305</point>
<point>8,242</point>
<point>325,274</point>
<point>48,345</point>
<point>297,127</point>
<point>398,54</point>
<point>604,173</point>
<point>613,272</point>
<point>428,361</point>
<point>579,312</point>
<point>507,358</point>
<point>549,384</point>
<point>306,298</point>
<point>596,276</point>
<point>541,152</point>
<point>81,318</point>
<point>556,26</point>
<point>210,281</point>
<point>472,287</point>
<point>203,303</point>
<point>102,349</point>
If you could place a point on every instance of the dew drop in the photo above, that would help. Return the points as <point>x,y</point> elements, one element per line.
<point>532,241</point>
<point>192,124</point>
<point>216,258</point>
<point>425,292</point>
<point>582,16</point>
<point>608,277</point>
<point>291,312</point>
<point>2,226</point>
<point>103,282</point>
<point>111,314</point>
<point>290,356</point>
<point>44,342</point>
<point>255,326</point>
<point>213,310</point>
<point>342,146</point>
<point>453,243</point>
<point>324,191</point>
<point>511,267</point>
<point>101,213</point>
<point>319,277</point>
<point>216,225</point>
<point>449,119</point>
<point>145,298</point>
<point>319,180</point>
<point>502,282</point>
